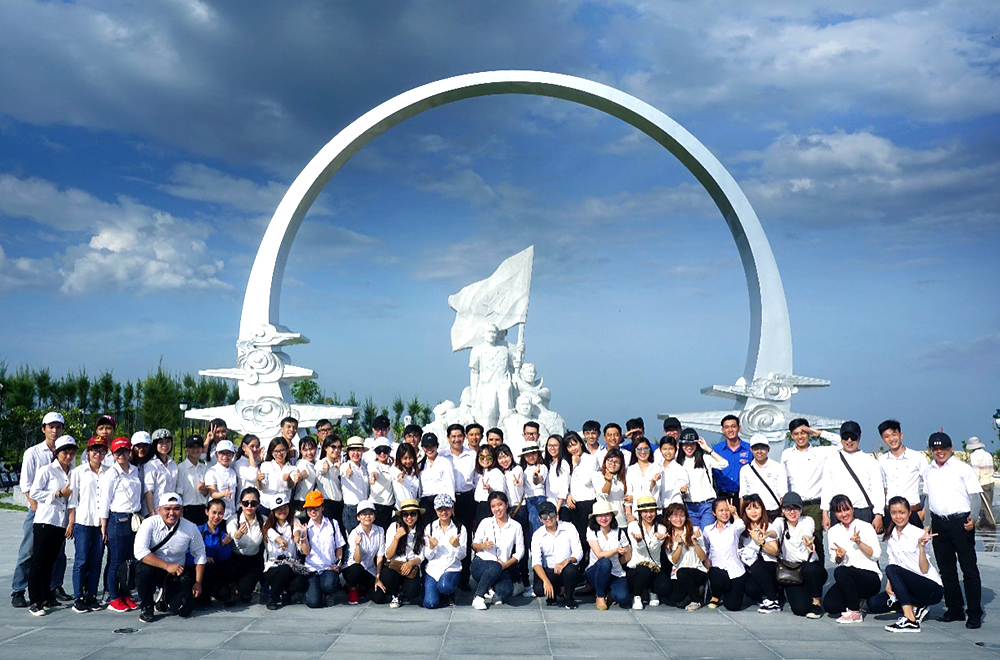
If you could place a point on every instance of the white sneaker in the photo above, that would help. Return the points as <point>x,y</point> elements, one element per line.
<point>478,603</point>
<point>497,601</point>
<point>489,595</point>
<point>395,604</point>
<point>654,601</point>
<point>518,589</point>
<point>637,603</point>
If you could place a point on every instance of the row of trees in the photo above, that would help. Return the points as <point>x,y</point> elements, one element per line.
<point>27,393</point>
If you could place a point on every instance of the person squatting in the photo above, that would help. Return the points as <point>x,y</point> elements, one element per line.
<point>597,516</point>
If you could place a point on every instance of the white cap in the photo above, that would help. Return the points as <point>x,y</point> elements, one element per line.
<point>759,439</point>
<point>365,505</point>
<point>225,445</point>
<point>52,418</point>
<point>169,499</point>
<point>64,441</point>
<point>140,438</point>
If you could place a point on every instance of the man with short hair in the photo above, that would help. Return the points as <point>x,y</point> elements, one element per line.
<point>635,428</point>
<point>161,545</point>
<point>289,430</point>
<point>737,452</point>
<point>35,458</point>
<point>218,431</point>
<point>763,477</point>
<point>853,473</point>
<point>903,471</point>
<point>953,500</point>
<point>494,437</point>
<point>530,433</point>
<point>463,463</point>
<point>592,435</point>
<point>324,429</point>
<point>474,435</point>
<point>613,440</point>
<point>803,463</point>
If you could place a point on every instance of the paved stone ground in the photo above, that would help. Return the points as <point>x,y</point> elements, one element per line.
<point>523,629</point>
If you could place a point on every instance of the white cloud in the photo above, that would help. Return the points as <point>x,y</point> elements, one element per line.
<point>202,183</point>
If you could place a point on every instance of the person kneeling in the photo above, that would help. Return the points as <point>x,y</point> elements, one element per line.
<point>219,570</point>
<point>161,544</point>
<point>555,549</point>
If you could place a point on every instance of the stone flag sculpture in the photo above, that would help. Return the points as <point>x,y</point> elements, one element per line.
<point>500,299</point>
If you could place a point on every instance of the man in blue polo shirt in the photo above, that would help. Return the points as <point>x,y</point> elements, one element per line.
<point>737,452</point>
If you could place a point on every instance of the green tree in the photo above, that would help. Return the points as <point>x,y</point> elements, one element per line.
<point>397,410</point>
<point>307,391</point>
<point>159,403</point>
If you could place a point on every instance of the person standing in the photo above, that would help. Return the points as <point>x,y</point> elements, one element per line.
<point>982,462</point>
<point>463,463</point>
<point>736,453</point>
<point>803,465</point>
<point>221,479</point>
<point>903,470</point>
<point>191,480</point>
<point>35,458</point>
<point>953,498</point>
<point>85,526</point>
<point>120,504</point>
<point>853,473</point>
<point>764,477</point>
<point>51,492</point>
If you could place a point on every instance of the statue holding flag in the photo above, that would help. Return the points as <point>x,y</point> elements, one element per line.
<point>485,310</point>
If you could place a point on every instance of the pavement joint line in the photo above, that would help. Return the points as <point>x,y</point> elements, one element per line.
<point>646,630</point>
<point>752,635</point>
<point>231,637</point>
<point>545,623</point>
<point>444,637</point>
<point>24,634</point>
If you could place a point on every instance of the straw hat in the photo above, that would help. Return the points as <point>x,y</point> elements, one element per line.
<point>602,508</point>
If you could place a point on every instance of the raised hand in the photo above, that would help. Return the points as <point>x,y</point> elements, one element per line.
<point>431,542</point>
<point>348,471</point>
<point>839,552</point>
<point>856,537</point>
<point>454,540</point>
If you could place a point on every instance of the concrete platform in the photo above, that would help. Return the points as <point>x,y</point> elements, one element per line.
<point>522,629</point>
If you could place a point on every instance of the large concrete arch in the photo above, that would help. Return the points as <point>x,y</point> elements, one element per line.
<point>770,345</point>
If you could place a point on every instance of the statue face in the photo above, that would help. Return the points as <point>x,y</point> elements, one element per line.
<point>490,334</point>
<point>528,372</point>
<point>524,405</point>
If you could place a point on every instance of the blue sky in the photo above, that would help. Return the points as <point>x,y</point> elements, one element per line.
<point>144,147</point>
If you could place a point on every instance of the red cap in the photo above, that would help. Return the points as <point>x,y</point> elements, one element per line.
<point>120,443</point>
<point>96,440</point>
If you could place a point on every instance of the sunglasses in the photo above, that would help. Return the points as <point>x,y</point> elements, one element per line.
<point>250,504</point>
<point>546,515</point>
<point>382,450</point>
<point>408,514</point>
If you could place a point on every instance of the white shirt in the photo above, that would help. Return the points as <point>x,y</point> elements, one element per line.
<point>902,475</point>
<point>249,544</point>
<point>794,548</point>
<point>904,551</point>
<point>306,484</point>
<point>557,482</point>
<point>404,549</point>
<point>581,482</point>
<point>616,538</point>
<point>548,549</point>
<point>328,480</point>
<point>52,507</point>
<point>722,546</point>
<point>805,467</point>
<point>220,479</point>
<point>515,484</point>
<point>372,546</point>
<point>838,481</point>
<point>273,550</point>
<point>838,535</point>
<point>464,466</point>
<point>273,486</point>
<point>531,489</point>
<point>186,539</point>
<point>700,488</point>
<point>381,492</point>
<point>160,478</point>
<point>508,540</point>
<point>949,487</point>
<point>646,549</point>
<point>982,462</point>
<point>489,481</point>
<point>120,491</point>
<point>640,483</point>
<point>86,496</point>
<point>773,474</point>
<point>408,488</point>
<point>188,478</point>
<point>603,451</point>
<point>246,473</point>
<point>669,492</point>
<point>689,557</point>
<point>35,457</point>
<point>615,496</point>
<point>355,486</point>
<point>444,557</point>
<point>324,540</point>
<point>437,478</point>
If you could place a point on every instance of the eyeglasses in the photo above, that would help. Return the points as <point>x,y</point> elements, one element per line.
<point>279,451</point>
<point>486,457</point>
<point>250,504</point>
<point>642,450</point>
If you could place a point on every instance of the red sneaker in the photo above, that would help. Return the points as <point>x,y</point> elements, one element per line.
<point>352,597</point>
<point>130,604</point>
<point>118,605</point>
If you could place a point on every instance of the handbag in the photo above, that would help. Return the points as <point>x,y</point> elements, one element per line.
<point>135,520</point>
<point>788,573</point>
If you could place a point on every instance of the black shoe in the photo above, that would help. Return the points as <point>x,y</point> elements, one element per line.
<point>147,615</point>
<point>160,605</point>
<point>60,594</point>
<point>80,606</point>
<point>272,604</point>
<point>52,603</point>
<point>951,615</point>
<point>37,610</point>
<point>974,623</point>
<point>17,599</point>
<point>551,602</point>
<point>93,604</point>
<point>571,604</point>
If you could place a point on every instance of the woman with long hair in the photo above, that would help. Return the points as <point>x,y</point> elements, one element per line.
<point>405,474</point>
<point>855,549</point>
<point>797,546</point>
<point>557,480</point>
<point>698,460</point>
<point>609,551</point>
<point>514,478</point>
<point>610,484</point>
<point>498,545</point>
<point>247,531</point>
<point>161,470</point>
<point>328,478</point>
<point>277,475</point>
<point>646,579</point>
<point>758,549</point>
<point>688,559</point>
<point>283,571</point>
<point>535,477</point>
<point>488,479</point>
<point>444,548</point>
<point>581,497</point>
<point>642,475</point>
<point>726,575</point>
<point>404,545</point>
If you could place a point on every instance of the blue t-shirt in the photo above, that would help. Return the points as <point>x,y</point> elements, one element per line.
<point>214,549</point>
<point>729,479</point>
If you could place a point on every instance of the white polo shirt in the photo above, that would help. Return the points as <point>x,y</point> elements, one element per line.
<point>581,482</point>
<point>549,549</point>
<point>838,535</point>
<point>557,482</point>
<point>508,541</point>
<point>438,478</point>
<point>464,467</point>
<point>328,480</point>
<point>355,485</point>
<point>35,457</point>
<point>274,486</point>
<point>903,549</point>
<point>120,491</point>
<point>950,486</point>
<point>902,475</point>
<point>381,492</point>
<point>489,481</point>
<point>444,557</point>
<point>406,489</point>
<point>722,546</point>
<point>669,492</point>
<point>188,478</point>
<point>220,479</point>
<point>615,539</point>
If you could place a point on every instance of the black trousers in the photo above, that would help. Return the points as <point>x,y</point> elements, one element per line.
<point>409,588</point>
<point>800,596</point>
<point>568,579</point>
<point>851,586</point>
<point>686,587</point>
<point>465,514</point>
<point>429,515</point>
<point>642,579</point>
<point>176,590</point>
<point>47,543</point>
<point>283,581</point>
<point>383,515</point>
<point>247,572</point>
<point>728,590</point>
<point>216,580</point>
<point>581,518</point>
<point>762,583</point>
<point>195,513</point>
<point>333,509</point>
<point>954,542</point>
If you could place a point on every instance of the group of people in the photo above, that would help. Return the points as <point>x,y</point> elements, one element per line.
<point>566,518</point>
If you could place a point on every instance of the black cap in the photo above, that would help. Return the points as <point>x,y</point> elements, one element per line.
<point>850,429</point>
<point>792,498</point>
<point>429,440</point>
<point>380,422</point>
<point>546,507</point>
<point>939,440</point>
<point>671,424</point>
<point>688,436</point>
<point>195,441</point>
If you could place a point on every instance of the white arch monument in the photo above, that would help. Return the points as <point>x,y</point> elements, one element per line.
<point>763,392</point>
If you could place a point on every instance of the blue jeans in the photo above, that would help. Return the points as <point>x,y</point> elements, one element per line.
<point>320,586</point>
<point>20,580</point>
<point>350,518</point>
<point>533,503</point>
<point>121,540</point>
<point>489,575</point>
<point>701,514</point>
<point>89,548</point>
<point>434,589</point>
<point>599,575</point>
